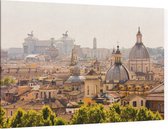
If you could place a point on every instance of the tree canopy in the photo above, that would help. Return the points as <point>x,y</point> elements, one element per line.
<point>94,113</point>
<point>7,81</point>
<point>116,113</point>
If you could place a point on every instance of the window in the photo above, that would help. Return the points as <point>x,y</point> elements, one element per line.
<point>134,103</point>
<point>141,102</point>
<point>124,103</point>
<point>87,90</point>
<point>41,94</point>
<point>159,106</point>
<point>162,108</point>
<point>11,113</point>
<point>49,95</point>
<point>36,95</point>
<point>107,88</point>
<point>151,105</point>
<point>139,69</point>
<point>45,96</point>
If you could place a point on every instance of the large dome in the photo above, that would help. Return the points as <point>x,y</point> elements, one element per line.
<point>117,73</point>
<point>139,51</point>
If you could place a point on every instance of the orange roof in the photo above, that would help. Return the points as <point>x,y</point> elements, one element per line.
<point>23,89</point>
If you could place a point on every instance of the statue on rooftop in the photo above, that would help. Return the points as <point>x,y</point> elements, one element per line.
<point>65,34</point>
<point>31,34</point>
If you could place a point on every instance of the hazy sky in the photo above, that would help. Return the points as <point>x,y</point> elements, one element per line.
<point>107,23</point>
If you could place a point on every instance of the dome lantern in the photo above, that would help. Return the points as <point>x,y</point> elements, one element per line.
<point>118,56</point>
<point>139,36</point>
<point>139,51</point>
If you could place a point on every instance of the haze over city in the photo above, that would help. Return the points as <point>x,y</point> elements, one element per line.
<point>107,23</point>
<point>64,64</point>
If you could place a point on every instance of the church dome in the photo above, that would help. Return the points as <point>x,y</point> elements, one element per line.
<point>117,73</point>
<point>139,51</point>
<point>75,70</point>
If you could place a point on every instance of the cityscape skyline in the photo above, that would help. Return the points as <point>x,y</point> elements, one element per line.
<point>69,64</point>
<point>103,22</point>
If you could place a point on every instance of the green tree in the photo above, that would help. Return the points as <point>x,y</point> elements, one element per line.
<point>2,117</point>
<point>7,123</point>
<point>48,116</point>
<point>8,81</point>
<point>1,82</point>
<point>80,116</point>
<point>112,115</point>
<point>117,107</point>
<point>32,119</point>
<point>60,121</point>
<point>144,114</point>
<point>157,116</point>
<point>12,81</point>
<point>89,114</point>
<point>128,113</point>
<point>18,119</point>
<point>96,114</point>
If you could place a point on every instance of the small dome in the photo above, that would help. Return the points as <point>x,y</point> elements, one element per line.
<point>139,51</point>
<point>75,70</point>
<point>117,73</point>
<point>72,105</point>
<point>75,79</point>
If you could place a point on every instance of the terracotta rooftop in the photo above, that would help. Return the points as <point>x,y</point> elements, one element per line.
<point>48,88</point>
<point>35,105</point>
<point>130,97</point>
<point>92,72</point>
<point>23,89</point>
<point>157,89</point>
